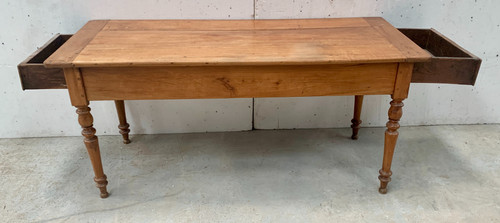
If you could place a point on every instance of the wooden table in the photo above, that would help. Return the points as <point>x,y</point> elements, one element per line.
<point>195,59</point>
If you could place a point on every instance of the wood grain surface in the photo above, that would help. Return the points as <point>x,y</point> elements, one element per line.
<point>236,42</point>
<point>140,83</point>
<point>67,53</point>
<point>76,89</point>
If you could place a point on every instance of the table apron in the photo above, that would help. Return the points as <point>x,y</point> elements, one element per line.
<point>143,83</point>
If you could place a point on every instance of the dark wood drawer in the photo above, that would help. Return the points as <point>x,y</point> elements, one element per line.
<point>450,64</point>
<point>34,75</point>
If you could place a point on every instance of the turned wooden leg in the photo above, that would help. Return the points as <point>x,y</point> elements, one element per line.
<point>124,130</point>
<point>86,121</point>
<point>356,120</point>
<point>391,136</point>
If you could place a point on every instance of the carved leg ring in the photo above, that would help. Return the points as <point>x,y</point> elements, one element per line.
<point>356,120</point>
<point>391,136</point>
<point>124,130</point>
<point>90,139</point>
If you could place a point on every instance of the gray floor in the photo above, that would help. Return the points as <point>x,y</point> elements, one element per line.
<point>441,173</point>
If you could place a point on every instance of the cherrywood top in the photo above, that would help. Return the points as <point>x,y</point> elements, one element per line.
<point>104,43</point>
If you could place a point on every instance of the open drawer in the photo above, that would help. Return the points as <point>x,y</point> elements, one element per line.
<point>34,75</point>
<point>450,63</point>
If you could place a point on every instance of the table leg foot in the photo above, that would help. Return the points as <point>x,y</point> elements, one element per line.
<point>382,190</point>
<point>355,128</point>
<point>92,144</point>
<point>124,126</point>
<point>384,178</point>
<point>356,120</point>
<point>101,183</point>
<point>391,136</point>
<point>124,130</point>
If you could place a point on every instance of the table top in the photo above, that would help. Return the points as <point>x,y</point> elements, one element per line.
<point>107,43</point>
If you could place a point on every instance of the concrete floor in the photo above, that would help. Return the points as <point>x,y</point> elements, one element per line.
<point>441,174</point>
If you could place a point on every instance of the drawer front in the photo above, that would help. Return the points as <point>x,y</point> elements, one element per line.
<point>136,83</point>
<point>450,63</point>
<point>34,75</point>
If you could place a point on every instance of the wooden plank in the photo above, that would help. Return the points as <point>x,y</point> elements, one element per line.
<point>217,42</point>
<point>441,46</point>
<point>408,48</point>
<point>75,87</point>
<point>36,76</point>
<point>447,71</point>
<point>263,47</point>
<point>227,25</point>
<point>65,55</point>
<point>138,83</point>
<point>403,79</point>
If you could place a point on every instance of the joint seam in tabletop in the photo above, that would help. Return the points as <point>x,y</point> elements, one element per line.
<point>105,45</point>
<point>247,24</point>
<point>67,53</point>
<point>411,50</point>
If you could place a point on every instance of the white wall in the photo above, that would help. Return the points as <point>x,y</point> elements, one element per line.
<point>26,24</point>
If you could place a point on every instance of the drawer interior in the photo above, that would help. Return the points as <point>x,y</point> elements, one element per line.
<point>450,63</point>
<point>34,75</point>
